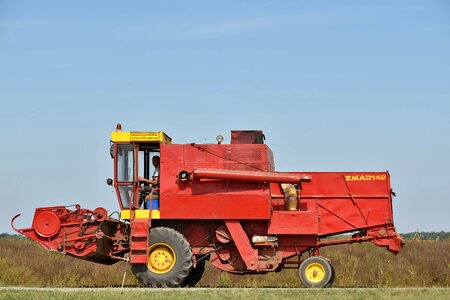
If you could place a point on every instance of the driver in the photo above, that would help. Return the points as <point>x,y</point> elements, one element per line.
<point>154,182</point>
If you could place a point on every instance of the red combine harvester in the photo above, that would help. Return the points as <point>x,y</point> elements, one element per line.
<point>222,203</point>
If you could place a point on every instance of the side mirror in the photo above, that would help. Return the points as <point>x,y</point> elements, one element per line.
<point>109,181</point>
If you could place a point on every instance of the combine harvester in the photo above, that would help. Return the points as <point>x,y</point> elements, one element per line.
<point>222,203</point>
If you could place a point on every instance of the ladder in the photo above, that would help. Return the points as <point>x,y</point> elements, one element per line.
<point>139,240</point>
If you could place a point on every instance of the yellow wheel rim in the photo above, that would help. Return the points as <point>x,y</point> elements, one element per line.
<point>161,258</point>
<point>315,272</point>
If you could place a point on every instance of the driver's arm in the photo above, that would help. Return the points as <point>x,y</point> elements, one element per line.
<point>149,181</point>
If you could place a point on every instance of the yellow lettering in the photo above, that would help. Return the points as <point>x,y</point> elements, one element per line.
<point>364,177</point>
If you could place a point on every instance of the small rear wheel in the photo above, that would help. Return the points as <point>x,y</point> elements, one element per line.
<point>316,272</point>
<point>333,276</point>
<point>169,259</point>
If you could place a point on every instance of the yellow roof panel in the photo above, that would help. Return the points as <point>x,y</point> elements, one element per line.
<point>140,137</point>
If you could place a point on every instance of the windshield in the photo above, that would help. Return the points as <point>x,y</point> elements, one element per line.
<point>125,163</point>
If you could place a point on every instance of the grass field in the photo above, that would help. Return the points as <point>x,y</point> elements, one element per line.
<point>420,264</point>
<point>235,293</point>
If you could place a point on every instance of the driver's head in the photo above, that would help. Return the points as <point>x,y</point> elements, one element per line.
<point>155,161</point>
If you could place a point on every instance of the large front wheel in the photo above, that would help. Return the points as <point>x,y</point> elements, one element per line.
<point>169,259</point>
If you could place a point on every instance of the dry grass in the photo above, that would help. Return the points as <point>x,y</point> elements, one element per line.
<point>26,263</point>
<point>420,264</point>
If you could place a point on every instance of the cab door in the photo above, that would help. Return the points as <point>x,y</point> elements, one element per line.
<point>125,175</point>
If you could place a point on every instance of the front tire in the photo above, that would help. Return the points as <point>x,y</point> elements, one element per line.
<point>316,272</point>
<point>169,259</point>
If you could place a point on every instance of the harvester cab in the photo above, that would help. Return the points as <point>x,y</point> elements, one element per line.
<point>222,203</point>
<point>133,153</point>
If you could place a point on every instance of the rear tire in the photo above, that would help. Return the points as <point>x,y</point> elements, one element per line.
<point>169,262</point>
<point>196,273</point>
<point>316,272</point>
<point>333,276</point>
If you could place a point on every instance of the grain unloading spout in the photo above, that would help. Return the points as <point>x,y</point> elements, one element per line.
<point>248,176</point>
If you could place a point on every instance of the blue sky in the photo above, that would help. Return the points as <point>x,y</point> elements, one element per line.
<point>335,85</point>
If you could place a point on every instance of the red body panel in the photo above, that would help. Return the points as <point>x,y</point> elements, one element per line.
<point>332,202</point>
<point>214,198</point>
<point>293,222</point>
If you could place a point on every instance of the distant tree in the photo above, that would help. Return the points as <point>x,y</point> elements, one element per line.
<point>7,235</point>
<point>420,235</point>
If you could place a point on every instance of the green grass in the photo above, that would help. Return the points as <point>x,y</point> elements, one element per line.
<point>254,293</point>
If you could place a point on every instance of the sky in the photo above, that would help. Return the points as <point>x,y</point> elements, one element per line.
<point>334,85</point>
